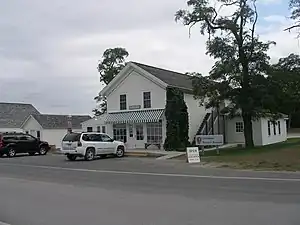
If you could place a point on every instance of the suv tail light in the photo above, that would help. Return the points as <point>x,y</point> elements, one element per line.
<point>79,144</point>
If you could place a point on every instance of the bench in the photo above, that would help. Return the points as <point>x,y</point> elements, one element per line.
<point>156,144</point>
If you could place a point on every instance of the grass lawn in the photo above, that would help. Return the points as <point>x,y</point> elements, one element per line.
<point>281,156</point>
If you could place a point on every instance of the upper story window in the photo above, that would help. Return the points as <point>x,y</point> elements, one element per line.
<point>123,102</point>
<point>147,99</point>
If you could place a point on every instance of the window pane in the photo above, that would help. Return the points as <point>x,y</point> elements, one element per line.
<point>147,99</point>
<point>119,131</point>
<point>105,138</point>
<point>123,104</point>
<point>103,129</point>
<point>154,133</point>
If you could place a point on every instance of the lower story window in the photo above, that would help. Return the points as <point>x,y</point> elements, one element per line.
<point>139,132</point>
<point>103,129</point>
<point>120,132</point>
<point>239,127</point>
<point>274,127</point>
<point>98,129</point>
<point>89,129</point>
<point>154,132</point>
<point>38,134</point>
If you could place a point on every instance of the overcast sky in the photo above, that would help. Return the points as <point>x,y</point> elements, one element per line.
<point>49,49</point>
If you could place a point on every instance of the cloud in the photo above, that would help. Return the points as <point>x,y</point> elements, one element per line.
<point>267,2</point>
<point>49,53</point>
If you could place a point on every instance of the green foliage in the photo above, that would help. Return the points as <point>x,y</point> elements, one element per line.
<point>284,77</point>
<point>238,74</point>
<point>113,61</point>
<point>177,121</point>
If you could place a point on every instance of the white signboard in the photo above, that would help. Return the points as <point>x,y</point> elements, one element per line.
<point>193,155</point>
<point>203,140</point>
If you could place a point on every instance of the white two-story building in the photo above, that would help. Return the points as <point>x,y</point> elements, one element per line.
<point>136,100</point>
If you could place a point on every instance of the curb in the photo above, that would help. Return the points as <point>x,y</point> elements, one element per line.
<point>144,154</point>
<point>137,154</point>
<point>130,154</point>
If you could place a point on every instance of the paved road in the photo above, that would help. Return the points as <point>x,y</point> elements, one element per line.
<point>46,190</point>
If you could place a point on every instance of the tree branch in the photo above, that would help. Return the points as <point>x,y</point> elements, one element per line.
<point>292,27</point>
<point>253,29</point>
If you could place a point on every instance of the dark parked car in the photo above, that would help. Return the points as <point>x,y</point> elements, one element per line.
<point>13,143</point>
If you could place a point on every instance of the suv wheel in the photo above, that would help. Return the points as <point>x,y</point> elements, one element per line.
<point>72,157</point>
<point>43,150</point>
<point>120,152</point>
<point>11,152</point>
<point>89,154</point>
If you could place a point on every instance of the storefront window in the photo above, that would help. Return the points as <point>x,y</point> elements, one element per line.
<point>120,133</point>
<point>139,132</point>
<point>154,133</point>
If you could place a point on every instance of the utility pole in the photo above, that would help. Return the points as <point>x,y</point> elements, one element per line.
<point>69,124</point>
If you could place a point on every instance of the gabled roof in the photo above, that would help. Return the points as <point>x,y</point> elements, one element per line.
<point>171,78</point>
<point>162,77</point>
<point>60,121</point>
<point>12,115</point>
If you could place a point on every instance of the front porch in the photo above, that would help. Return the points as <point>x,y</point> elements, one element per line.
<point>141,129</point>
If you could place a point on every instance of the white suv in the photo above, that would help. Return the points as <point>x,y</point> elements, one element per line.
<point>89,145</point>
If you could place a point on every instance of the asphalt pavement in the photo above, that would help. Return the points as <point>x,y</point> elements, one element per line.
<point>44,190</point>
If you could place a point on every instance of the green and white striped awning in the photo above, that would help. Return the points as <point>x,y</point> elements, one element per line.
<point>140,116</point>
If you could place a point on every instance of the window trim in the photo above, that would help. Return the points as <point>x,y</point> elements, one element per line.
<point>103,130</point>
<point>152,136</point>
<point>269,128</point>
<point>98,129</point>
<point>147,100</point>
<point>123,103</point>
<point>240,127</point>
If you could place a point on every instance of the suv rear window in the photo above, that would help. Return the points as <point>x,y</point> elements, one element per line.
<point>72,137</point>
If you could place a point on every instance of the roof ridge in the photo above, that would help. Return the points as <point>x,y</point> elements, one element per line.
<point>167,70</point>
<point>16,103</point>
<point>42,114</point>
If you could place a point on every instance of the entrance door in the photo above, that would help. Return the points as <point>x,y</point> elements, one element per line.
<point>139,136</point>
<point>131,138</point>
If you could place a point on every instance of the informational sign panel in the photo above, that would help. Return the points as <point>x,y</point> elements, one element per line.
<point>133,107</point>
<point>203,140</point>
<point>193,154</point>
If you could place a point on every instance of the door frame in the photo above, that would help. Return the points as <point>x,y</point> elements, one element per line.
<point>139,143</point>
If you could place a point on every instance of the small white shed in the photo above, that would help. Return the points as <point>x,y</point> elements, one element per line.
<point>265,131</point>
<point>52,128</point>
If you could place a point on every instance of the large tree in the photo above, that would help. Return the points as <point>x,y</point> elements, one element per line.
<point>285,78</point>
<point>241,58</point>
<point>113,61</point>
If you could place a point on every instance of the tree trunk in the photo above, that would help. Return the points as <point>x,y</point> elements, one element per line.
<point>248,133</point>
<point>290,121</point>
